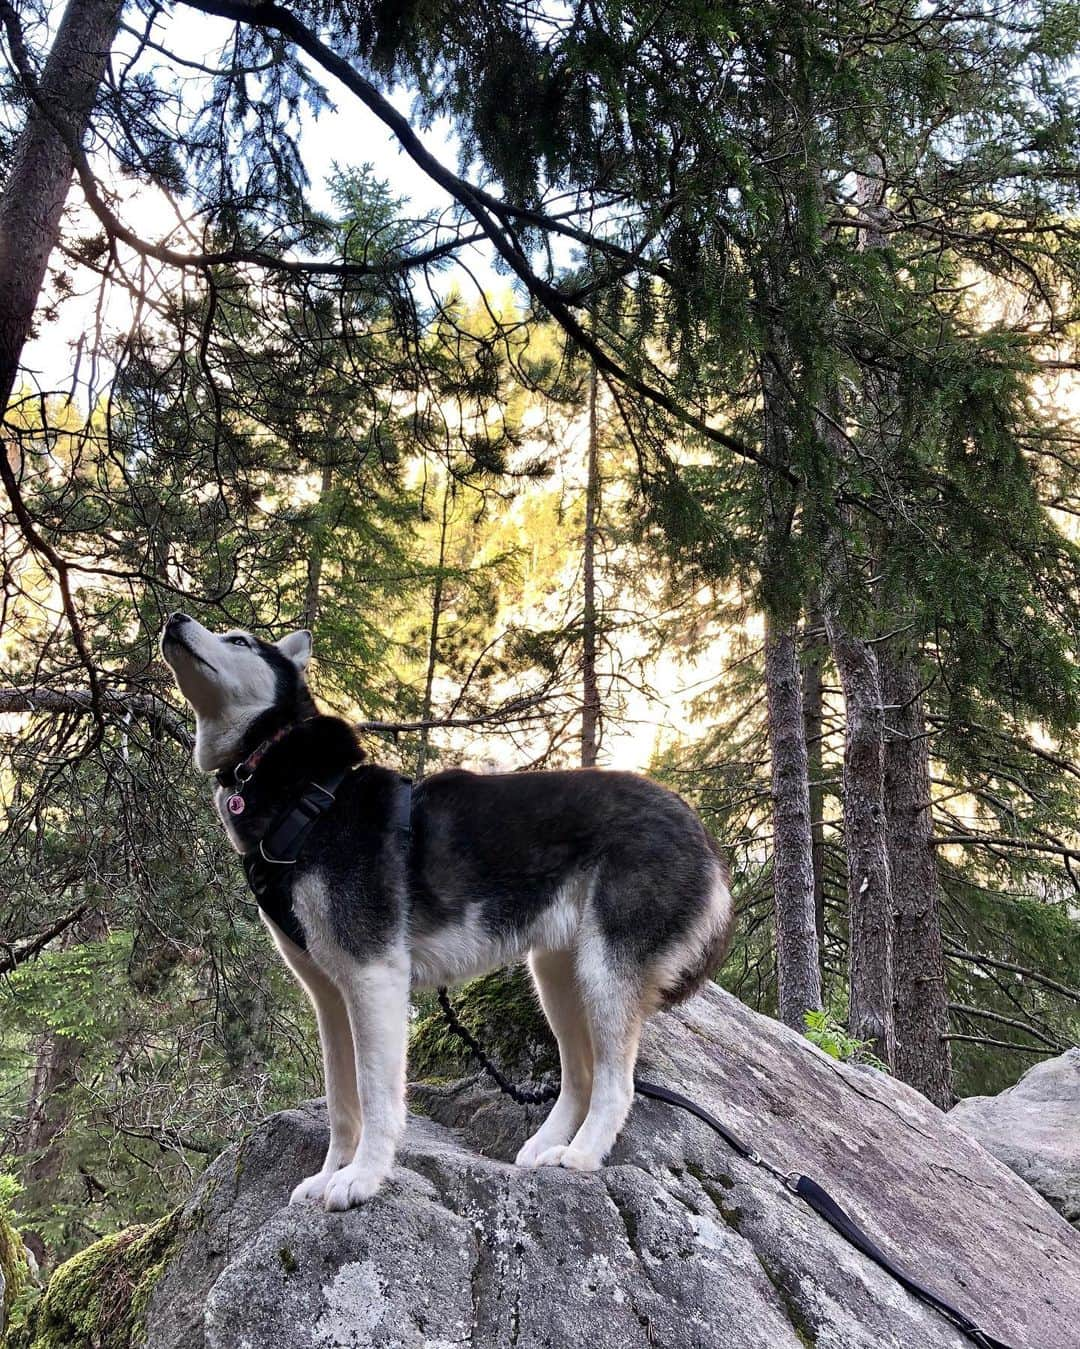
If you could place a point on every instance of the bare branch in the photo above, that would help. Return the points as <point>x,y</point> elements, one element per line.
<point>16,955</point>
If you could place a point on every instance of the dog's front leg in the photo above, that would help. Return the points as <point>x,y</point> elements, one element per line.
<point>339,1064</point>
<point>377,998</point>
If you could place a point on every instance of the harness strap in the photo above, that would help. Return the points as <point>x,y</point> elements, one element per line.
<point>283,842</point>
<point>273,894</point>
<point>285,838</point>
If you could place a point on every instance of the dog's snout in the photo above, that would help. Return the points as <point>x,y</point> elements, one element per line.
<point>176,620</point>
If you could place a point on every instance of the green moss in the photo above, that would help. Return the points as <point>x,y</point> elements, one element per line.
<point>731,1214</point>
<point>197,1215</point>
<point>238,1166</point>
<point>289,1262</point>
<point>502,1011</point>
<point>630,1223</point>
<point>12,1263</point>
<point>98,1298</point>
<point>804,1331</point>
<point>702,1177</point>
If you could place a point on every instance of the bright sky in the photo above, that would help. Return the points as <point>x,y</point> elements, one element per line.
<point>345,135</point>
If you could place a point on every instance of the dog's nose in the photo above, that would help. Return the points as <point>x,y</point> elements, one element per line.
<point>176,620</point>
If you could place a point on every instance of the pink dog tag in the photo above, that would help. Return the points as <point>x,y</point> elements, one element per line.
<point>235,804</point>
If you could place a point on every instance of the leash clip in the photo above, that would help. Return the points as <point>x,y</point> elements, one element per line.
<point>788,1179</point>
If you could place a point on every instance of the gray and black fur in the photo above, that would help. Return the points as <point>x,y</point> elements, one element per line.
<point>608,883</point>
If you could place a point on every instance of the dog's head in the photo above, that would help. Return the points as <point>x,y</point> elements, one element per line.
<point>233,680</point>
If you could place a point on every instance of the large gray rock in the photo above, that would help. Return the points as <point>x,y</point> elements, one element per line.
<point>677,1243</point>
<point>1034,1128</point>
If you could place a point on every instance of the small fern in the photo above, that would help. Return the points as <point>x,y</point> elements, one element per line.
<point>828,1034</point>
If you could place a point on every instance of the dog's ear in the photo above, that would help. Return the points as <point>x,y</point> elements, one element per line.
<point>297,646</point>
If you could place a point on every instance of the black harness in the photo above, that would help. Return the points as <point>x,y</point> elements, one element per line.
<point>267,867</point>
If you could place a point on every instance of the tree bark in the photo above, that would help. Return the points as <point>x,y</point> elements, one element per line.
<point>313,585</point>
<point>798,977</point>
<point>920,999</point>
<point>590,690</point>
<point>797,958</point>
<point>37,184</point>
<point>813,732</point>
<point>865,838</point>
<point>433,634</point>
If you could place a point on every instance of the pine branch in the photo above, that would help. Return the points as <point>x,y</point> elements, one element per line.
<point>151,708</point>
<point>956,953</point>
<point>18,955</point>
<point>142,705</point>
<point>1015,1022</point>
<point>997,841</point>
<point>490,213</point>
<point>1001,1044</point>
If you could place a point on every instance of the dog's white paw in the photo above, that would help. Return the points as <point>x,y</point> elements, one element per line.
<point>576,1159</point>
<point>533,1149</point>
<point>312,1190</point>
<point>550,1156</point>
<point>351,1186</point>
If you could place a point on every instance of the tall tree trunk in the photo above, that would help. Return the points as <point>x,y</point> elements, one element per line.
<point>590,690</point>
<point>920,998</point>
<point>865,838</point>
<point>797,971</point>
<point>41,168</point>
<point>433,634</point>
<point>813,734</point>
<point>317,547</point>
<point>797,967</point>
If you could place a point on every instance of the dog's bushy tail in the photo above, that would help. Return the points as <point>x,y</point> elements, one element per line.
<point>713,939</point>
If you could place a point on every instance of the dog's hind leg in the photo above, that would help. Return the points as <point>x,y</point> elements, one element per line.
<point>376,994</point>
<point>614,1013</point>
<point>339,1064</point>
<point>556,984</point>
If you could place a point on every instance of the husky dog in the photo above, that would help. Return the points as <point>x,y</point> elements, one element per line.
<point>606,882</point>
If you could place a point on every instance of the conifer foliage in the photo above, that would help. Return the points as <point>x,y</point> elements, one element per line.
<point>781,387</point>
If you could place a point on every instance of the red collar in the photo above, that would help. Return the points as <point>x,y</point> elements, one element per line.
<point>243,770</point>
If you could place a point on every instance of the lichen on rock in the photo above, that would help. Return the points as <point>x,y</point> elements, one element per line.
<point>676,1241</point>
<point>98,1298</point>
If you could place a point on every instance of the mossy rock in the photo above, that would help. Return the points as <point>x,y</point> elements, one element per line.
<point>13,1267</point>
<point>501,1009</point>
<point>98,1298</point>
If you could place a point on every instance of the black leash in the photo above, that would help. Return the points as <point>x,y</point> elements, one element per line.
<point>807,1189</point>
<point>523,1095</point>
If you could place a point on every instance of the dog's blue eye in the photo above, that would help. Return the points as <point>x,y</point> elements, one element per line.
<point>237,641</point>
